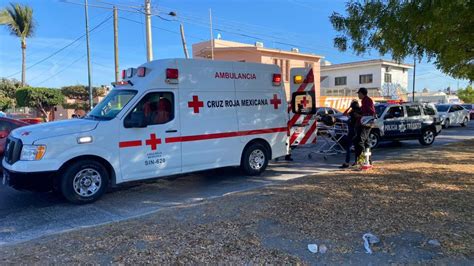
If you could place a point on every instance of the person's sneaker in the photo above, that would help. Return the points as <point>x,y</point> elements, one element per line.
<point>344,165</point>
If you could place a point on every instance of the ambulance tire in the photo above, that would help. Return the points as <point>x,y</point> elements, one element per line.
<point>255,159</point>
<point>84,181</point>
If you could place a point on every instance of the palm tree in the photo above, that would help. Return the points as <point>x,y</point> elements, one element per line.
<point>20,21</point>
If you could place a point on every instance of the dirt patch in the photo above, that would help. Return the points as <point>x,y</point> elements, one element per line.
<point>406,201</point>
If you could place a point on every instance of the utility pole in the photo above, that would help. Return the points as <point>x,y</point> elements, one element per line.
<point>149,48</point>
<point>414,71</point>
<point>183,40</point>
<point>212,34</point>
<point>116,44</point>
<point>91,100</point>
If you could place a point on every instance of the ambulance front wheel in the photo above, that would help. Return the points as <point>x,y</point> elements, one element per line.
<point>255,159</point>
<point>84,181</point>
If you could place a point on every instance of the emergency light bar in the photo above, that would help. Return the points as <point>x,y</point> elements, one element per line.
<point>298,79</point>
<point>141,71</point>
<point>130,72</point>
<point>172,75</point>
<point>276,79</point>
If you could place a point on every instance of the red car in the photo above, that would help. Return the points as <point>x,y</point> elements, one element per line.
<point>31,121</point>
<point>6,126</point>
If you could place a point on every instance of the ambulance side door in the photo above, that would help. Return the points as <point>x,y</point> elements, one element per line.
<point>394,125</point>
<point>144,150</point>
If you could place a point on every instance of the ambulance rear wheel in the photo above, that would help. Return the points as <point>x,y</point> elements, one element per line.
<point>84,181</point>
<point>255,159</point>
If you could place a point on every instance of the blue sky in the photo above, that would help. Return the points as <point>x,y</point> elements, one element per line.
<point>303,23</point>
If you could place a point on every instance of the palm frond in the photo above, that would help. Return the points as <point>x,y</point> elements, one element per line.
<point>20,20</point>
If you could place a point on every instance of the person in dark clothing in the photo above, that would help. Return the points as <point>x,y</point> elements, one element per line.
<point>362,131</point>
<point>353,112</point>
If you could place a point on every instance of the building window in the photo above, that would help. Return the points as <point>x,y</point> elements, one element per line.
<point>363,79</point>
<point>275,61</point>
<point>388,78</point>
<point>340,81</point>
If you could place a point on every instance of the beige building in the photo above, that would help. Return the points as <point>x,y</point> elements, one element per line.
<point>241,52</point>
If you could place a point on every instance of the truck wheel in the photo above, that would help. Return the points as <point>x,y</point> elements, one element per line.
<point>374,139</point>
<point>427,137</point>
<point>464,122</point>
<point>84,181</point>
<point>446,123</point>
<point>254,159</point>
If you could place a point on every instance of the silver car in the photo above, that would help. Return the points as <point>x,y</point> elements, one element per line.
<point>453,114</point>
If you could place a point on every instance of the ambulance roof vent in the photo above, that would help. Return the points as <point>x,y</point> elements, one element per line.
<point>295,50</point>
<point>259,44</point>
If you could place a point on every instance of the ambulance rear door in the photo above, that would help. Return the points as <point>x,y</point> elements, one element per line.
<point>302,109</point>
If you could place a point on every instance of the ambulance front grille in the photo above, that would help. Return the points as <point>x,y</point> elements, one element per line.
<point>12,149</point>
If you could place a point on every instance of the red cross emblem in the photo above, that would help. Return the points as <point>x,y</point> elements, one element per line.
<point>275,101</point>
<point>304,102</point>
<point>153,141</point>
<point>195,104</point>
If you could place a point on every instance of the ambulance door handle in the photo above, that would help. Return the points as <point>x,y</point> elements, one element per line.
<point>171,131</point>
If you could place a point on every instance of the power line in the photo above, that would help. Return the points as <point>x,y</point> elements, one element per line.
<point>63,48</point>
<point>62,70</point>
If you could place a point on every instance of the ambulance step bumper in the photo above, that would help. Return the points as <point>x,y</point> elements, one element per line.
<point>35,181</point>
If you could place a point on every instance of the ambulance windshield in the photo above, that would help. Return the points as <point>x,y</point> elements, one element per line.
<point>111,105</point>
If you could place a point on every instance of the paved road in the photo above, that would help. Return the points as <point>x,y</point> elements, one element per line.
<point>26,215</point>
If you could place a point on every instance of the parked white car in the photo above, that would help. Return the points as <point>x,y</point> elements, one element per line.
<point>452,114</point>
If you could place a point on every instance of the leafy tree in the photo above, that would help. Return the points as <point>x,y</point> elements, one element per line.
<point>467,94</point>
<point>8,89</point>
<point>80,94</point>
<point>42,99</point>
<point>20,21</point>
<point>440,30</point>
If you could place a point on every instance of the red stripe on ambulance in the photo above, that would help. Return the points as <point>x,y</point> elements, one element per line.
<point>309,133</point>
<point>131,143</point>
<point>225,135</point>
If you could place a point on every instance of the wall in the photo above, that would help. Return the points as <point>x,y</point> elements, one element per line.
<point>352,75</point>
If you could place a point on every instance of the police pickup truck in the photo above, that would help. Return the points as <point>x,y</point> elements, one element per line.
<point>405,121</point>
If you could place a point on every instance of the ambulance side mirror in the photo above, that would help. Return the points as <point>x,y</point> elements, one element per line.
<point>135,120</point>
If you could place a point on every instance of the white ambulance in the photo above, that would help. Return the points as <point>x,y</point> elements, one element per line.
<point>166,117</point>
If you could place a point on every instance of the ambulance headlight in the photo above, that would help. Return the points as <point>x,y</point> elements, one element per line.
<point>32,152</point>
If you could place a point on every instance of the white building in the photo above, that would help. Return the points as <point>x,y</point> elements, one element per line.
<point>436,97</point>
<point>382,78</point>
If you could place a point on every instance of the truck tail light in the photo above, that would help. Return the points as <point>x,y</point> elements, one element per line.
<point>141,71</point>
<point>276,79</point>
<point>172,75</point>
<point>124,74</point>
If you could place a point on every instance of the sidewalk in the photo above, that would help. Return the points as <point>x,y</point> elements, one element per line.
<point>405,201</point>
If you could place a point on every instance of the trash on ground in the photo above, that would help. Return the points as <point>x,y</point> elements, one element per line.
<point>369,239</point>
<point>434,242</point>
<point>313,248</point>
